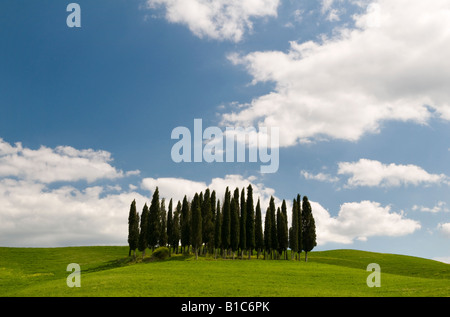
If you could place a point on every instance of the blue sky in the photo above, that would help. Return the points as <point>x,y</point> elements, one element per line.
<point>358,90</point>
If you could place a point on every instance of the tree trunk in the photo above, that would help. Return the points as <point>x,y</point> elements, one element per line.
<point>306,256</point>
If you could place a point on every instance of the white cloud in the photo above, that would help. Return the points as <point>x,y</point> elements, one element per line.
<point>33,215</point>
<point>64,163</point>
<point>176,188</point>
<point>392,66</point>
<point>321,177</point>
<point>439,207</point>
<point>374,173</point>
<point>444,228</point>
<point>217,19</point>
<point>360,221</point>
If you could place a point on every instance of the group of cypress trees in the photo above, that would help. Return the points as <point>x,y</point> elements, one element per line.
<point>207,226</point>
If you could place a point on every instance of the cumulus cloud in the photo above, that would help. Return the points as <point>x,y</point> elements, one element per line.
<point>321,177</point>
<point>392,65</point>
<point>33,213</point>
<point>176,188</point>
<point>374,173</point>
<point>444,228</point>
<point>359,221</point>
<point>439,207</point>
<point>63,163</point>
<point>217,19</point>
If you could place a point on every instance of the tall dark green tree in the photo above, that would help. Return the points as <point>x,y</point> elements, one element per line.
<point>154,221</point>
<point>218,229</point>
<point>293,231</point>
<point>259,238</point>
<point>170,227</point>
<point>282,229</point>
<point>163,224</point>
<point>142,245</point>
<point>185,220</point>
<point>267,233</point>
<point>133,229</point>
<point>196,230</point>
<point>300,226</point>
<point>176,231</point>
<point>250,221</point>
<point>308,227</point>
<point>213,206</point>
<point>274,231</point>
<point>226,222</point>
<point>234,222</point>
<point>207,224</point>
<point>242,224</point>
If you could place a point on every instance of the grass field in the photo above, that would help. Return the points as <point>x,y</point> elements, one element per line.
<point>107,271</point>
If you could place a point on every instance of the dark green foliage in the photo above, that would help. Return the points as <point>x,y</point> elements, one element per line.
<point>300,224</point>
<point>142,245</point>
<point>161,253</point>
<point>209,226</point>
<point>259,238</point>
<point>226,220</point>
<point>273,221</point>
<point>154,221</point>
<point>133,228</point>
<point>234,222</point>
<point>282,229</point>
<point>170,225</point>
<point>185,220</point>
<point>196,225</point>
<point>294,229</point>
<point>207,221</point>
<point>250,220</point>
<point>163,225</point>
<point>267,232</point>
<point>176,230</point>
<point>218,229</point>
<point>243,223</point>
<point>308,227</point>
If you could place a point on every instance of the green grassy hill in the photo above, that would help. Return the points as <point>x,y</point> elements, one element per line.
<point>107,271</point>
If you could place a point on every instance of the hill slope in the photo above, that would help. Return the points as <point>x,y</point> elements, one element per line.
<point>107,271</point>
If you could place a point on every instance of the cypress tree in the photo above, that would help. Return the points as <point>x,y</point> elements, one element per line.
<point>218,229</point>
<point>308,228</point>
<point>267,233</point>
<point>170,226</point>
<point>213,206</point>
<point>176,231</point>
<point>142,245</point>
<point>300,226</point>
<point>185,224</point>
<point>207,224</point>
<point>250,221</point>
<point>293,231</point>
<point>259,238</point>
<point>133,229</point>
<point>274,237</point>
<point>242,224</point>
<point>196,232</point>
<point>154,221</point>
<point>282,230</point>
<point>163,224</point>
<point>234,222</point>
<point>226,221</point>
